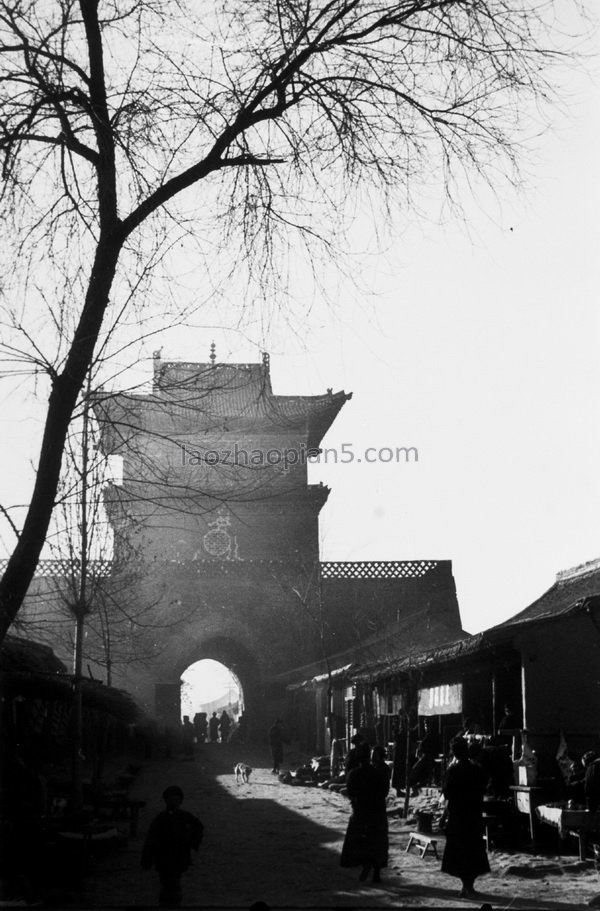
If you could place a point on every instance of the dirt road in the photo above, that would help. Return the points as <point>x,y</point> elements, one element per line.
<point>281,844</point>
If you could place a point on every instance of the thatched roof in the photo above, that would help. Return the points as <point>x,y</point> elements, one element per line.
<point>31,669</point>
<point>377,656</point>
<point>17,654</point>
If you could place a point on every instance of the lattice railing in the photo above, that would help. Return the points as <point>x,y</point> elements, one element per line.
<point>359,569</point>
<point>377,569</point>
<point>56,567</point>
<point>103,568</point>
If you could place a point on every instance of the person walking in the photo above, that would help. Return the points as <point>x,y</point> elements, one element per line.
<point>171,837</point>
<point>464,786</point>
<point>428,750</point>
<point>366,841</point>
<point>276,742</point>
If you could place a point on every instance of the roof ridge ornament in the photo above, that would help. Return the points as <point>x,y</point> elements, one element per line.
<point>582,569</point>
<point>213,354</point>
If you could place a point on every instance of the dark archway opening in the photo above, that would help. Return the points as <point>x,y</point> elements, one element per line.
<point>236,670</point>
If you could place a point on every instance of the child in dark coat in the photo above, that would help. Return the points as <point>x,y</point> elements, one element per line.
<point>171,836</point>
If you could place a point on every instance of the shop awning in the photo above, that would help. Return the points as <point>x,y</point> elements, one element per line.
<point>319,679</point>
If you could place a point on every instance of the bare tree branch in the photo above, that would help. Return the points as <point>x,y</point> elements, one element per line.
<point>120,128</point>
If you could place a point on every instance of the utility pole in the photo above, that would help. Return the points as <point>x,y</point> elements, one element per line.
<point>80,608</point>
<point>407,777</point>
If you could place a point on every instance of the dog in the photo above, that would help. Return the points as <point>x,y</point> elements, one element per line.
<point>242,772</point>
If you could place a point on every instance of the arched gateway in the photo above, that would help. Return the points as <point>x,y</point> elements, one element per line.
<point>217,524</point>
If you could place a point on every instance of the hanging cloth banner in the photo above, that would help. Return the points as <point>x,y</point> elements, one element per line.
<point>441,700</point>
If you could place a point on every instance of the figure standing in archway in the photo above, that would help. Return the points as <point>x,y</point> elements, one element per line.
<point>213,728</point>
<point>187,737</point>
<point>224,726</point>
<point>201,727</point>
<point>276,741</point>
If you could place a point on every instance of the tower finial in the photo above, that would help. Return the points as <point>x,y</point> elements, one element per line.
<point>213,355</point>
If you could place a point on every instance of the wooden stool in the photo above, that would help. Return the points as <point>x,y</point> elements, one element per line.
<point>422,843</point>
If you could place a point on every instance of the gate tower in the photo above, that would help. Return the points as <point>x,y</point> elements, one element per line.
<point>216,515</point>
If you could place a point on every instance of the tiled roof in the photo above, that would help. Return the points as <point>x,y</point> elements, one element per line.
<point>209,394</point>
<point>568,594</point>
<point>241,390</point>
<point>574,590</point>
<point>412,659</point>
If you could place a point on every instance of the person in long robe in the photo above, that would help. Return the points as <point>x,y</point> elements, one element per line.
<point>276,741</point>
<point>187,737</point>
<point>224,726</point>
<point>464,786</point>
<point>366,841</point>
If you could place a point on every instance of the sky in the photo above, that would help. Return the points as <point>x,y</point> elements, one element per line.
<point>476,343</point>
<point>204,682</point>
<point>473,340</point>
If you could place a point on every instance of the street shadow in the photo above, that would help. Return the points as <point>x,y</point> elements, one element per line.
<point>494,900</point>
<point>257,848</point>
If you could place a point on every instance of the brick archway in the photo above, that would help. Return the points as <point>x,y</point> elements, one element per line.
<point>237,658</point>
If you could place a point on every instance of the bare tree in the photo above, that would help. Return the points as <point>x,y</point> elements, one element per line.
<point>96,563</point>
<point>81,542</point>
<point>122,126</point>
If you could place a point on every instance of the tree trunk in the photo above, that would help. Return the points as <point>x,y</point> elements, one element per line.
<point>407,775</point>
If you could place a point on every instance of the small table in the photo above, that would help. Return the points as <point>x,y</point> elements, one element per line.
<point>122,807</point>
<point>575,821</point>
<point>527,799</point>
